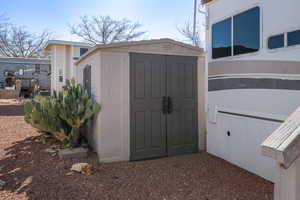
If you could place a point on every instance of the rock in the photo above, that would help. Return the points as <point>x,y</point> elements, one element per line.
<point>69,173</point>
<point>51,150</point>
<point>73,153</point>
<point>83,168</point>
<point>2,184</point>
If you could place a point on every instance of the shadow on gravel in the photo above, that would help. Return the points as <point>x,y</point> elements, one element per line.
<point>28,168</point>
<point>11,110</point>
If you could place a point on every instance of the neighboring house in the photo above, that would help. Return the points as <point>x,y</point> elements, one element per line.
<point>253,63</point>
<point>26,69</point>
<point>152,95</point>
<point>63,55</point>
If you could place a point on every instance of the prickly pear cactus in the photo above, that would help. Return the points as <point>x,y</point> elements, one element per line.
<point>62,114</point>
<point>42,113</point>
<point>76,107</point>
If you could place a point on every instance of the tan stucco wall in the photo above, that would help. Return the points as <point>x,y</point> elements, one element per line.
<point>94,61</point>
<point>62,57</point>
<point>202,91</point>
<point>58,63</point>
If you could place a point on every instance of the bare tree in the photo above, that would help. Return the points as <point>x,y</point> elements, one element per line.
<point>104,30</point>
<point>187,32</point>
<point>18,42</point>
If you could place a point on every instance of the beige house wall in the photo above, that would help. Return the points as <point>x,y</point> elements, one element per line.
<point>62,57</point>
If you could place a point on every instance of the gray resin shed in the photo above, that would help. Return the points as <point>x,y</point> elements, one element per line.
<point>152,95</point>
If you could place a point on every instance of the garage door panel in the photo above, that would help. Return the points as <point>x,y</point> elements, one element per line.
<point>157,129</point>
<point>140,81</point>
<point>157,82</point>
<point>189,83</point>
<point>140,127</point>
<point>189,126</point>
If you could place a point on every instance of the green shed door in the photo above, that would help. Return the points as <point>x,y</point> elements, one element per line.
<point>182,122</point>
<point>163,105</point>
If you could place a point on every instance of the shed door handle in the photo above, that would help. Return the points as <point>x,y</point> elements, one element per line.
<point>170,105</point>
<point>165,105</point>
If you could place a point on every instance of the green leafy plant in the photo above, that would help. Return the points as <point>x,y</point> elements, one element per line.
<point>62,114</point>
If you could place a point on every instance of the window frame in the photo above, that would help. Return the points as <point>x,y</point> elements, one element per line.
<point>240,11</point>
<point>60,75</point>
<point>223,20</point>
<point>37,69</point>
<point>259,33</point>
<point>87,68</point>
<point>83,48</point>
<point>284,41</point>
<point>287,38</point>
<point>286,47</point>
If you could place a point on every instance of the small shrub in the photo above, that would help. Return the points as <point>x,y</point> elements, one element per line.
<point>63,113</point>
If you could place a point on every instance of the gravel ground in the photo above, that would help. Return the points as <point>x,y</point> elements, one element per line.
<point>31,173</point>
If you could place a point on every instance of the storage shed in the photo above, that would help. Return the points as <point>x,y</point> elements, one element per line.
<point>152,96</point>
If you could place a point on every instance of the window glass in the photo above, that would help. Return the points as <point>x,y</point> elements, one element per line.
<point>221,39</point>
<point>275,42</point>
<point>37,69</point>
<point>293,38</point>
<point>83,51</point>
<point>60,75</point>
<point>246,31</point>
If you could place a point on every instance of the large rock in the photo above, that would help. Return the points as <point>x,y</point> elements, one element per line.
<point>83,168</point>
<point>73,153</point>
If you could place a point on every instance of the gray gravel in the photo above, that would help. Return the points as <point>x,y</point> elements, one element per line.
<point>32,173</point>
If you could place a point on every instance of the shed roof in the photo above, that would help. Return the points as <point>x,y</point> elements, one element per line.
<point>21,60</point>
<point>142,44</point>
<point>284,143</point>
<point>63,42</point>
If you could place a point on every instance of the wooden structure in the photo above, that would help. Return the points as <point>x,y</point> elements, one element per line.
<point>284,147</point>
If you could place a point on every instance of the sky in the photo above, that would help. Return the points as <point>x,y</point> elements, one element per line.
<point>159,17</point>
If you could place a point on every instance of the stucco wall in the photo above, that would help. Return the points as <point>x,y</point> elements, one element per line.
<point>63,57</point>
<point>110,88</point>
<point>114,136</point>
<point>93,129</point>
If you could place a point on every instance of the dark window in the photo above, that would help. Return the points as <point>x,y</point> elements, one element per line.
<point>87,79</point>
<point>246,31</point>
<point>275,42</point>
<point>60,75</point>
<point>221,39</point>
<point>293,38</point>
<point>83,51</point>
<point>37,68</point>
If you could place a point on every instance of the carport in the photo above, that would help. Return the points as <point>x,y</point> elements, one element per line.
<point>152,95</point>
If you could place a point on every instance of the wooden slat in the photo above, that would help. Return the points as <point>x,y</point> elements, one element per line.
<point>284,143</point>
